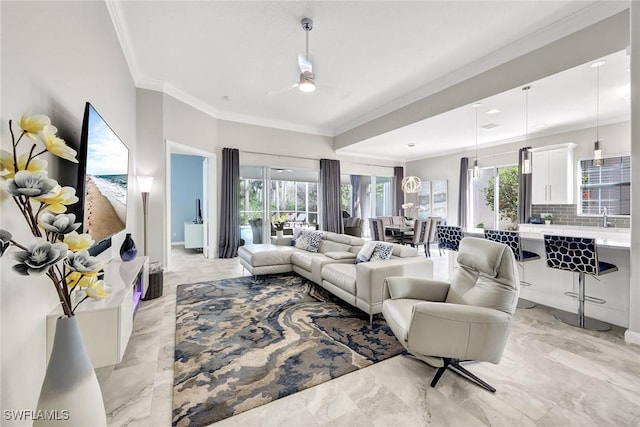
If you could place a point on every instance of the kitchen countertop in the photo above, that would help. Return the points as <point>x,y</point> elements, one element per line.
<point>606,237</point>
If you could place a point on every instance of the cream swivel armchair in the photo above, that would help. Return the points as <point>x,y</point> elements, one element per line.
<point>468,319</point>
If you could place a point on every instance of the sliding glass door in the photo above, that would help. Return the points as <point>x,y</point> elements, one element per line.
<point>494,198</point>
<point>268,195</point>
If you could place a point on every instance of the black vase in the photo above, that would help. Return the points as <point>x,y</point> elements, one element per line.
<point>128,251</point>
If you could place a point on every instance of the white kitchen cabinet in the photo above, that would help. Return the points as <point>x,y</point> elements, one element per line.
<point>106,325</point>
<point>553,176</point>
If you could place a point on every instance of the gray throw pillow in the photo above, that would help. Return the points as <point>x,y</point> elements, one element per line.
<point>364,255</point>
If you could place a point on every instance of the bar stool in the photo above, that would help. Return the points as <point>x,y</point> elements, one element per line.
<point>579,255</point>
<point>449,237</point>
<point>512,239</point>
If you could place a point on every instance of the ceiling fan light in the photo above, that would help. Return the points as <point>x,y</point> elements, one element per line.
<point>307,86</point>
<point>307,82</point>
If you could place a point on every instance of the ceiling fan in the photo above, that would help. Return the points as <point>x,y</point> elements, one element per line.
<point>307,80</point>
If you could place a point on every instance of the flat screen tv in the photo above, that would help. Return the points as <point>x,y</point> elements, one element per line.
<point>102,180</point>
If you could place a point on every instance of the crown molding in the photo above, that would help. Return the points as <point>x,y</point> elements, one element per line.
<point>114,7</point>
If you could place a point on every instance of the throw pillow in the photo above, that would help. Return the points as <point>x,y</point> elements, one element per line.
<point>382,251</point>
<point>296,234</point>
<point>309,241</point>
<point>364,255</point>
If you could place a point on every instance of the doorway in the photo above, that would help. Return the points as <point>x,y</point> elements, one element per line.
<point>203,212</point>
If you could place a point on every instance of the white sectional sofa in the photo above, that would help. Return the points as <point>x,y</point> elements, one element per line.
<point>334,267</point>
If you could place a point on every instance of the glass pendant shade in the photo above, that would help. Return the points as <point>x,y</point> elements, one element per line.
<point>476,169</point>
<point>597,154</point>
<point>526,162</point>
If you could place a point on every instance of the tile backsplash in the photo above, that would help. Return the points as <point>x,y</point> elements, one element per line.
<point>566,215</point>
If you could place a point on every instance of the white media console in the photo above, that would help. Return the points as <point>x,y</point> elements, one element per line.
<point>106,325</point>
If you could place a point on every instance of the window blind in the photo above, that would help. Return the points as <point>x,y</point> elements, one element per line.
<point>607,186</point>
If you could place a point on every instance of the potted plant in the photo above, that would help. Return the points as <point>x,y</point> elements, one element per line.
<point>547,219</point>
<point>56,251</point>
<point>279,227</point>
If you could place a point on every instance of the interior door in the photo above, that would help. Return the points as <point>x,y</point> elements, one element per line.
<point>203,207</point>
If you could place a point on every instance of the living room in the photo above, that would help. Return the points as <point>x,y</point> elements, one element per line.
<point>58,55</point>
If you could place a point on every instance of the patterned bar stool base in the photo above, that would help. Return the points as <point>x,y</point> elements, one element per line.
<point>579,255</point>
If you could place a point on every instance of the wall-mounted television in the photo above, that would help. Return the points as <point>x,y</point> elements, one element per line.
<point>102,180</point>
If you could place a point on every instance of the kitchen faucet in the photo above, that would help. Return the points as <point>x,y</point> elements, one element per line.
<point>605,219</point>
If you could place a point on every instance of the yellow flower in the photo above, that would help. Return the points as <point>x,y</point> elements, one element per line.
<point>78,242</point>
<point>58,203</point>
<point>97,289</point>
<point>31,125</point>
<point>56,145</point>
<point>8,167</point>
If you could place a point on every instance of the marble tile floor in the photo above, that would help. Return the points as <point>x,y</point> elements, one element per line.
<point>551,375</point>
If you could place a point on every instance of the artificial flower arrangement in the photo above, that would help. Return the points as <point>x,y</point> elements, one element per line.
<point>58,250</point>
<point>407,207</point>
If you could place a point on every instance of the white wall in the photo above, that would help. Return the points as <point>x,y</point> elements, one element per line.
<point>616,139</point>
<point>633,334</point>
<point>52,63</point>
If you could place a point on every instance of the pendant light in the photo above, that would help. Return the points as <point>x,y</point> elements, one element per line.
<point>597,145</point>
<point>476,168</point>
<point>526,153</point>
<point>411,184</point>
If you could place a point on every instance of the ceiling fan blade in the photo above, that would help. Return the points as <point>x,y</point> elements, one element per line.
<point>287,88</point>
<point>304,63</point>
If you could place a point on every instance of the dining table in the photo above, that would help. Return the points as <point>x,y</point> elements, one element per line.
<point>401,230</point>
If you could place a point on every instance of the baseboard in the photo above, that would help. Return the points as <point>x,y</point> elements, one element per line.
<point>177,243</point>
<point>632,337</point>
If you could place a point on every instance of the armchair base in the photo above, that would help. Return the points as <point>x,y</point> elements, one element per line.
<point>454,365</point>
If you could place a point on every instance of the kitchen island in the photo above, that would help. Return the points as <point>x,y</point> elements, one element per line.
<point>548,286</point>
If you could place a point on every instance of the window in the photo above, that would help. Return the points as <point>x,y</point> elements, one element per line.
<point>607,186</point>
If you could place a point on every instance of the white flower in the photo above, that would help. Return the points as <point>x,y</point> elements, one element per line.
<point>39,257</point>
<point>31,184</point>
<point>407,205</point>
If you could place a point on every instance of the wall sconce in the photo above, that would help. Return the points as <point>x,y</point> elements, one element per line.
<point>411,184</point>
<point>145,183</point>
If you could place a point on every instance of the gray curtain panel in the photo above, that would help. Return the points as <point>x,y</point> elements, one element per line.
<point>330,196</point>
<point>356,211</point>
<point>398,173</point>
<point>462,192</point>
<point>524,191</point>
<point>229,204</point>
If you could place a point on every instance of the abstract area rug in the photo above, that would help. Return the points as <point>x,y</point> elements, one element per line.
<point>241,344</point>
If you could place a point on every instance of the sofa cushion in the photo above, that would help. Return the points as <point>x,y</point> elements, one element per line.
<point>342,276</point>
<point>305,259</point>
<point>382,251</point>
<point>332,246</point>
<point>259,255</point>
<point>309,240</point>
<point>341,255</point>
<point>364,255</point>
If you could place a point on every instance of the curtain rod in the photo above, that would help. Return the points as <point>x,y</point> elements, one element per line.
<point>309,158</point>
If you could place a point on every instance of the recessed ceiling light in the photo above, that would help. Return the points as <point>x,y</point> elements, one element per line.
<point>494,111</point>
<point>411,144</point>
<point>598,64</point>
<point>476,105</point>
<point>541,125</point>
